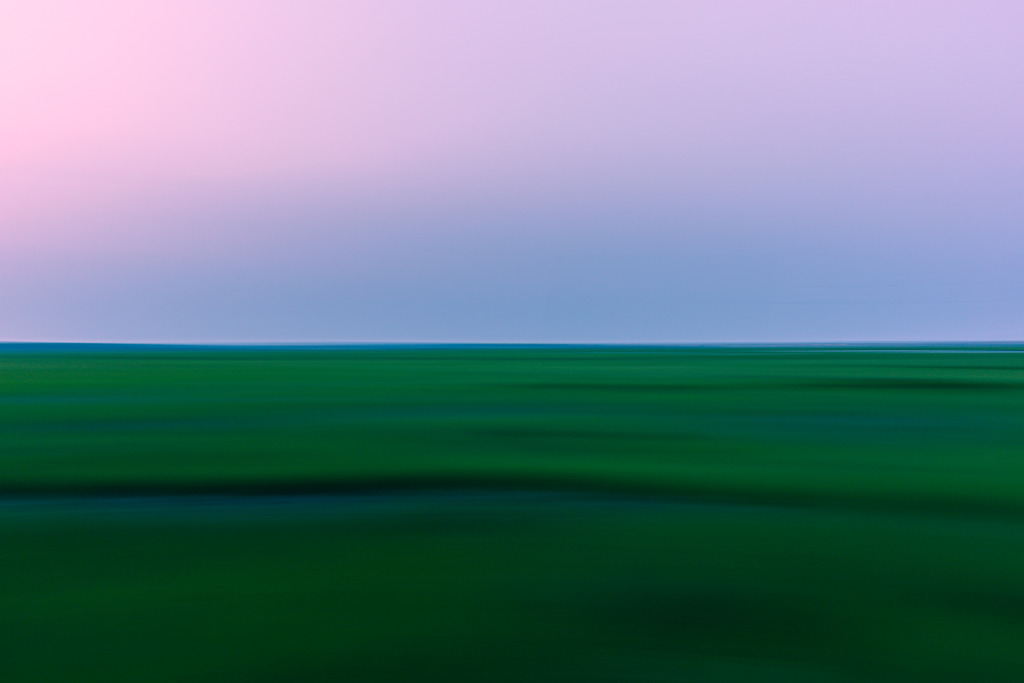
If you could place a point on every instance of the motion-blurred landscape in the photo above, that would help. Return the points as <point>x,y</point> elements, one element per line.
<point>571,341</point>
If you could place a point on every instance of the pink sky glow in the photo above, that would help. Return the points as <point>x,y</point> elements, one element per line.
<point>257,169</point>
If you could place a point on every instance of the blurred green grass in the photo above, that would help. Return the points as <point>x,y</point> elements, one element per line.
<point>699,514</point>
<point>829,427</point>
<point>442,590</point>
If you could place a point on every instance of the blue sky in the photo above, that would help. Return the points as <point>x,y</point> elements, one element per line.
<point>568,171</point>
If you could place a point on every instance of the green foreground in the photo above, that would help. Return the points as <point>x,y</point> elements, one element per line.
<point>549,514</point>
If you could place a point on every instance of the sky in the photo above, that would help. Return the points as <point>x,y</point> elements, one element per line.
<point>659,171</point>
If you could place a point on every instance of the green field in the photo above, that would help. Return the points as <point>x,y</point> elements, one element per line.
<point>511,514</point>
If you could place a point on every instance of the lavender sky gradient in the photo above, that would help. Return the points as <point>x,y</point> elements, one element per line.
<point>511,170</point>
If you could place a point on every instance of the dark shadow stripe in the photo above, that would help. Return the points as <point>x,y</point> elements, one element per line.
<point>515,484</point>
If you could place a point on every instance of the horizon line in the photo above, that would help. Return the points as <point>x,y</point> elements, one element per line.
<point>506,344</point>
